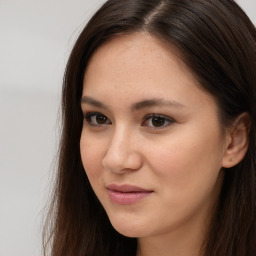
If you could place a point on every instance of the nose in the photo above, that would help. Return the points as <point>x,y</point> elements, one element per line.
<point>122,154</point>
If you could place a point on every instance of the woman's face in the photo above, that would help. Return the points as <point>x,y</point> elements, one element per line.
<point>151,142</point>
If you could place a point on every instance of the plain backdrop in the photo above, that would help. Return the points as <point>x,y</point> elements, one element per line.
<point>36,37</point>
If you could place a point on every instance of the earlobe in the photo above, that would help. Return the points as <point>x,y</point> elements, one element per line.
<point>237,141</point>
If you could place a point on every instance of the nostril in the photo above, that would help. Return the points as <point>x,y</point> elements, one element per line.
<point>113,162</point>
<point>120,162</point>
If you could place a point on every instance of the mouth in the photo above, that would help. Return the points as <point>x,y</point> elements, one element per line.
<point>127,194</point>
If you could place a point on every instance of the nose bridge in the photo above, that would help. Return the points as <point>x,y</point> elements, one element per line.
<point>122,153</point>
<point>120,139</point>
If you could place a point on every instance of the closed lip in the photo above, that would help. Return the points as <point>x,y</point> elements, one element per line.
<point>126,188</point>
<point>127,194</point>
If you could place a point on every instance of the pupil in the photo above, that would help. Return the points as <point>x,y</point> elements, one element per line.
<point>101,119</point>
<point>158,121</point>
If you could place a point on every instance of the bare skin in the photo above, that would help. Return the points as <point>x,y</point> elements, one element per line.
<point>149,124</point>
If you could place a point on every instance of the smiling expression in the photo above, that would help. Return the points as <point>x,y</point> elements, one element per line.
<point>151,143</point>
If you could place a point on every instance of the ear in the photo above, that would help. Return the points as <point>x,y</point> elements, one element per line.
<point>236,141</point>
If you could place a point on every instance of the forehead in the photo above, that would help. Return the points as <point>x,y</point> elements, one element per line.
<point>138,53</point>
<point>140,66</point>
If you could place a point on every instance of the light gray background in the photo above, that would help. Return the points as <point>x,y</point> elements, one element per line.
<point>36,37</point>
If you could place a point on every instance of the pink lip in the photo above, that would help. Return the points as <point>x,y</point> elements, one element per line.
<point>126,194</point>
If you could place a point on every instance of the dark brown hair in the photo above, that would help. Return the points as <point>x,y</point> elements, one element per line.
<point>217,41</point>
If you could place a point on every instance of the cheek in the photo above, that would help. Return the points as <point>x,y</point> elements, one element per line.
<point>91,154</point>
<point>182,157</point>
<point>188,165</point>
<point>193,146</point>
<point>187,181</point>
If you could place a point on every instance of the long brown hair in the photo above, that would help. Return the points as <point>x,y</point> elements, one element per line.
<point>217,41</point>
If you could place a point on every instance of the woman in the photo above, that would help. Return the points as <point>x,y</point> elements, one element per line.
<point>157,155</point>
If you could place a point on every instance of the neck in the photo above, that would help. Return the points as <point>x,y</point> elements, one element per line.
<point>185,241</point>
<point>170,245</point>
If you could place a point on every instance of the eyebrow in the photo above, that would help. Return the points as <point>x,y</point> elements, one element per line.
<point>93,102</point>
<point>156,102</point>
<point>135,106</point>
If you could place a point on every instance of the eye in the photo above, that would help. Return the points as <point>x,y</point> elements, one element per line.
<point>157,121</point>
<point>96,119</point>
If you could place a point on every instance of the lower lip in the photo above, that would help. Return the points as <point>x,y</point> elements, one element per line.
<point>128,197</point>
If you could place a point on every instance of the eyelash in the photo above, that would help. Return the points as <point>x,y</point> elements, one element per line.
<point>167,121</point>
<point>164,121</point>
<point>88,118</point>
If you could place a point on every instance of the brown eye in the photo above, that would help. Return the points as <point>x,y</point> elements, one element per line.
<point>100,119</point>
<point>96,119</point>
<point>157,121</point>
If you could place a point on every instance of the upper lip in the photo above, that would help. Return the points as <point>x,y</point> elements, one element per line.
<point>126,188</point>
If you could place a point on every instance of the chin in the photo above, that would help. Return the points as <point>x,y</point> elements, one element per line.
<point>129,232</point>
<point>130,228</point>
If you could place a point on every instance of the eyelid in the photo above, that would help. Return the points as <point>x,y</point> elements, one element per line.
<point>88,118</point>
<point>88,115</point>
<point>166,118</point>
